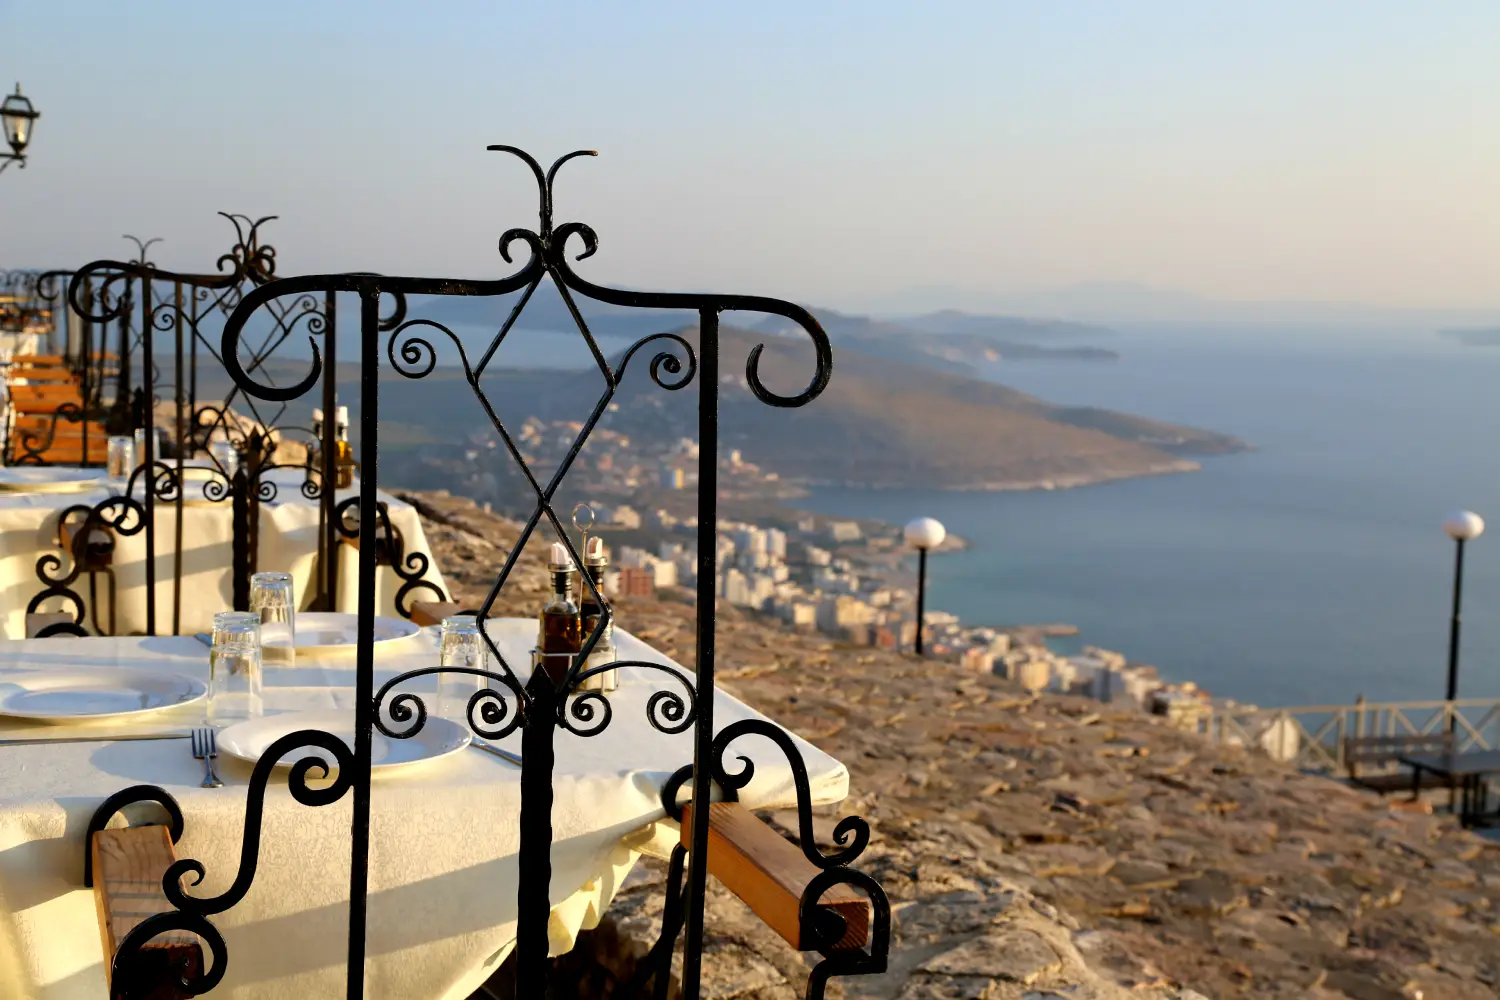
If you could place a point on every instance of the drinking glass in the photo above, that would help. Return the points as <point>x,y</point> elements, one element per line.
<point>460,645</point>
<point>274,601</point>
<point>157,452</point>
<point>234,675</point>
<point>120,460</point>
<point>226,456</point>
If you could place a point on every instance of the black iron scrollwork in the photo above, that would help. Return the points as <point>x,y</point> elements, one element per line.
<point>410,567</point>
<point>488,712</point>
<point>543,704</point>
<point>192,912</point>
<point>822,928</point>
<point>87,534</point>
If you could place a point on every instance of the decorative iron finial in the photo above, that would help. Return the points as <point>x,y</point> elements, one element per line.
<point>141,248</point>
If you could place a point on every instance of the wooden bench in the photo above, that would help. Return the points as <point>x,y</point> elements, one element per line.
<point>769,874</point>
<point>50,374</point>
<point>45,397</point>
<point>125,867</point>
<point>1381,752</point>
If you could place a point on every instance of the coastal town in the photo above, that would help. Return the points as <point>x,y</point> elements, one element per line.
<point>851,580</point>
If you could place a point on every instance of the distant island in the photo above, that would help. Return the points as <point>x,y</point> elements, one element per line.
<point>1481,336</point>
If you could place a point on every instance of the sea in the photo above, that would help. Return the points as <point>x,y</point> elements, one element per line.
<point>1311,570</point>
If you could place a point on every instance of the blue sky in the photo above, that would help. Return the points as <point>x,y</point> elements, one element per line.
<point>836,153</point>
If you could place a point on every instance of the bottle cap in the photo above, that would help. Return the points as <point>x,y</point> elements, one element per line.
<point>595,554</point>
<point>560,562</point>
<point>318,414</point>
<point>341,415</point>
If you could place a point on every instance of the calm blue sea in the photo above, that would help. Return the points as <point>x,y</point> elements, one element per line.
<point>1309,571</point>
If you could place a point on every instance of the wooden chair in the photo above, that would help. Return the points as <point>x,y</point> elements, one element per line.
<point>770,875</point>
<point>433,612</point>
<point>125,867</point>
<point>1381,752</point>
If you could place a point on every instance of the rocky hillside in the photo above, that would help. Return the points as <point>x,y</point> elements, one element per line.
<point>1053,848</point>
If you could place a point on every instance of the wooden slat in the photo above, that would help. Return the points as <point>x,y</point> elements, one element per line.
<point>769,873</point>
<point>36,422</point>
<point>66,453</point>
<point>38,620</point>
<point>128,867</point>
<point>433,612</point>
<point>48,374</point>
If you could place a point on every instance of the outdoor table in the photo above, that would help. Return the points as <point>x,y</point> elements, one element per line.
<point>288,543</point>
<point>444,835</point>
<point>1468,770</point>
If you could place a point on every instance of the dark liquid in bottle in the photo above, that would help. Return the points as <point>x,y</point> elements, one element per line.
<point>560,636</point>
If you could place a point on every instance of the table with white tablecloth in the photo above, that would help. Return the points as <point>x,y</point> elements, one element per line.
<point>444,834</point>
<point>288,542</point>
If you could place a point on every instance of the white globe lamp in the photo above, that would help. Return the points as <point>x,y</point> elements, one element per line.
<point>923,533</point>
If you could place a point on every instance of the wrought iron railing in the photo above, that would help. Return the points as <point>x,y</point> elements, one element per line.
<point>541,703</point>
<point>158,315</point>
<point>1312,737</point>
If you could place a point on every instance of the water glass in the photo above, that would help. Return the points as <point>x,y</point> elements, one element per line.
<point>460,645</point>
<point>274,601</point>
<point>234,675</point>
<point>120,460</point>
<point>160,441</point>
<point>225,456</point>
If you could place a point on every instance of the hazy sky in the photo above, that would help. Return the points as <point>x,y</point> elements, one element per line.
<point>835,153</point>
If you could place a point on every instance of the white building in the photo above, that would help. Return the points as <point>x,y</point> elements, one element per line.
<point>776,542</point>
<point>844,531</point>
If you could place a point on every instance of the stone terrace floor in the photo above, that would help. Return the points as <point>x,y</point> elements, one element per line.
<point>1054,848</point>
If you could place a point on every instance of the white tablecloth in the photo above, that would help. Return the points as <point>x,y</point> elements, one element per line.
<point>288,542</point>
<point>444,836</point>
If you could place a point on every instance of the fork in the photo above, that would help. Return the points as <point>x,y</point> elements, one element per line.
<point>206,748</point>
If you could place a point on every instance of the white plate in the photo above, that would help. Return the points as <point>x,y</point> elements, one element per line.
<point>68,695</point>
<point>330,631</point>
<point>248,740</point>
<point>48,479</point>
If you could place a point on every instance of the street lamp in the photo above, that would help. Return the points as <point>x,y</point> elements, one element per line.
<point>923,533</point>
<point>17,114</point>
<point>1461,527</point>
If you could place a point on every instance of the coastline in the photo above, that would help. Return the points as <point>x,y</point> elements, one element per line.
<point>1049,483</point>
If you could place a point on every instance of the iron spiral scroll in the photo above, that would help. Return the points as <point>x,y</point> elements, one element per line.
<point>541,704</point>
<point>191,912</point>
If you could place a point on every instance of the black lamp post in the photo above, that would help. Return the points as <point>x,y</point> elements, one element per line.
<point>1461,527</point>
<point>922,534</point>
<point>18,117</point>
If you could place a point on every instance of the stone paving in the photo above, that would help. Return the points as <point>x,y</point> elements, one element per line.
<point>1052,847</point>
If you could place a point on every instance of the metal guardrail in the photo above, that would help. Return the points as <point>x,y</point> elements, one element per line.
<point>1312,737</point>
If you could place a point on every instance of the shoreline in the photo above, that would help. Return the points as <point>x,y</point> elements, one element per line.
<point>1046,484</point>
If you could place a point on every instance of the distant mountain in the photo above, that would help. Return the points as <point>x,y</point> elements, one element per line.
<point>1005,328</point>
<point>946,340</point>
<point>1474,336</point>
<point>1123,302</point>
<point>889,423</point>
<point>953,341</point>
<point>881,422</point>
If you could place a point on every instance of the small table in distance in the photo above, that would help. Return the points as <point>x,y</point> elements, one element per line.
<point>1466,770</point>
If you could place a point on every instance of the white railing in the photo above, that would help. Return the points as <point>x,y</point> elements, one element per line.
<point>1312,737</point>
